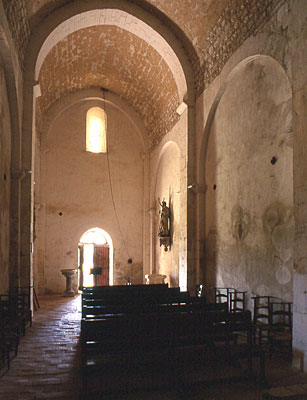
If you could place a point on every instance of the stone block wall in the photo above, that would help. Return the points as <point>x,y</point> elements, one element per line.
<point>5,157</point>
<point>238,21</point>
<point>298,31</point>
<point>17,15</point>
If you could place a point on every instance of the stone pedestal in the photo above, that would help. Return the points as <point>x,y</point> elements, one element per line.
<point>154,279</point>
<point>68,273</point>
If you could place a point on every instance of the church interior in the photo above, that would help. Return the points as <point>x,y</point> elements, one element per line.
<point>155,141</point>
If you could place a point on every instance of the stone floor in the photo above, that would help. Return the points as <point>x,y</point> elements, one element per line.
<point>47,367</point>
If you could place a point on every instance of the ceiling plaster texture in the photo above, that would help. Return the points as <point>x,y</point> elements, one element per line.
<point>238,21</point>
<point>116,60</point>
<point>17,15</point>
<point>215,29</point>
<point>194,17</point>
<point>122,20</point>
<point>211,32</point>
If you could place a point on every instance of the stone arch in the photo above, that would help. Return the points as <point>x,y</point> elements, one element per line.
<point>156,18</point>
<point>96,94</point>
<point>124,21</point>
<point>69,10</point>
<point>241,65</point>
<point>43,31</point>
<point>244,233</point>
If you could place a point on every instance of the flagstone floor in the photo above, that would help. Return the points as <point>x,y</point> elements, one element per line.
<point>47,366</point>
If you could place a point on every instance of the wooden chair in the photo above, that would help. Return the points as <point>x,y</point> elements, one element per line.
<point>280,334</point>
<point>4,348</point>
<point>237,301</point>
<point>9,332</point>
<point>262,319</point>
<point>222,295</point>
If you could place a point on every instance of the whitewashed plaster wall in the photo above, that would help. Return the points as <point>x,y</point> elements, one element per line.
<point>249,178</point>
<point>77,184</point>
<point>244,120</point>
<point>168,176</point>
<point>5,158</point>
<point>168,188</point>
<point>283,39</point>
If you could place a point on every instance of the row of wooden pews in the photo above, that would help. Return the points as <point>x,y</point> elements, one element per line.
<point>136,333</point>
<point>15,316</point>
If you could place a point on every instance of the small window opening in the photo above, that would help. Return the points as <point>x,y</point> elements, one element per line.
<point>96,130</point>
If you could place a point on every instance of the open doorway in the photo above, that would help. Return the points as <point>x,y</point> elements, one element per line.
<point>95,259</point>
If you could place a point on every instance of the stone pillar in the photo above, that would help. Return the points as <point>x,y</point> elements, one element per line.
<point>299,89</point>
<point>152,215</point>
<point>191,256</point>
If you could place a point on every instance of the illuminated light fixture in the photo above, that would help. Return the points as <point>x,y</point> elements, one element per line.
<point>197,188</point>
<point>37,90</point>
<point>181,109</point>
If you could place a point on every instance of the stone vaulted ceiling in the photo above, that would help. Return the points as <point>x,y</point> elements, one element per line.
<point>210,31</point>
<point>114,59</point>
<point>194,17</point>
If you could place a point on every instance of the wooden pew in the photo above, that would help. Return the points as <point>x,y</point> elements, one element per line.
<point>164,340</point>
<point>124,288</point>
<point>131,292</point>
<point>135,298</point>
<point>100,310</point>
<point>126,291</point>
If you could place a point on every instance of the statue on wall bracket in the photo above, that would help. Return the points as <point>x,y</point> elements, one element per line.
<point>164,225</point>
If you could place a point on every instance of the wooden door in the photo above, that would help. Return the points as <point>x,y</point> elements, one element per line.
<point>101,260</point>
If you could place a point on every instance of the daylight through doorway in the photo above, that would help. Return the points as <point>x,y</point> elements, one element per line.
<point>95,259</point>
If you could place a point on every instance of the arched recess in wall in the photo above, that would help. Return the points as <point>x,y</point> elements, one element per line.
<point>167,187</point>
<point>80,194</point>
<point>246,166</point>
<point>105,98</point>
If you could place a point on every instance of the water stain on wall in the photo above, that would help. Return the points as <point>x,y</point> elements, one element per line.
<point>278,226</point>
<point>240,222</point>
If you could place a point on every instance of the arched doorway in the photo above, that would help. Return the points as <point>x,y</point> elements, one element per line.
<point>95,258</point>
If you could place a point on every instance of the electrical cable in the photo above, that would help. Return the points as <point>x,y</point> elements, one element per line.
<point>111,190</point>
